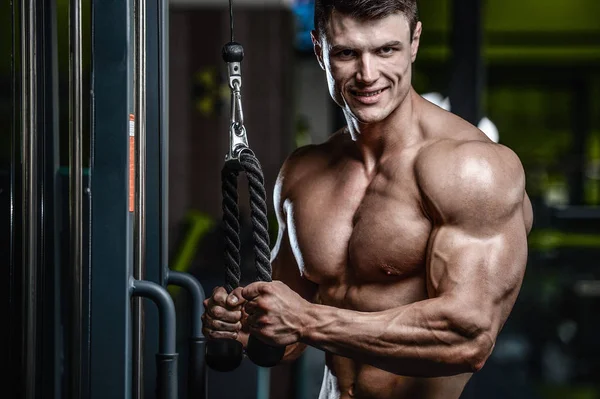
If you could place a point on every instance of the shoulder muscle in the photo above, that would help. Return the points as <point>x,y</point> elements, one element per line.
<point>473,183</point>
<point>299,165</point>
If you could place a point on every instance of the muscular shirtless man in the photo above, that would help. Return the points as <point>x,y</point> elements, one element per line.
<point>402,240</point>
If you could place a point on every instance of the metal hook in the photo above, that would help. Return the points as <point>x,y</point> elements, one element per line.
<point>238,141</point>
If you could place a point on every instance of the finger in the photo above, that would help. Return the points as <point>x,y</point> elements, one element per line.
<point>212,334</point>
<point>251,307</point>
<point>219,296</point>
<point>219,325</point>
<point>253,290</point>
<point>212,300</point>
<point>235,298</point>
<point>220,313</point>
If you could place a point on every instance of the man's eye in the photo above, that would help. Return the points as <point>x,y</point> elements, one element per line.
<point>346,53</point>
<point>387,50</point>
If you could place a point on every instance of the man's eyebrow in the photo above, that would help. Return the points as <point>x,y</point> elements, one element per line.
<point>339,47</point>
<point>395,43</point>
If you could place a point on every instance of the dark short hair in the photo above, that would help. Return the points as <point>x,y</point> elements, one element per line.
<point>365,10</point>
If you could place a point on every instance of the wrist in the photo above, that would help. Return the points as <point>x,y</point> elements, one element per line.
<point>311,320</point>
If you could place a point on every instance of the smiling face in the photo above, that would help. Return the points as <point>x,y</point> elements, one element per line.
<point>367,63</point>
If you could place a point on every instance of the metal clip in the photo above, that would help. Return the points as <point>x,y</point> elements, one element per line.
<point>238,141</point>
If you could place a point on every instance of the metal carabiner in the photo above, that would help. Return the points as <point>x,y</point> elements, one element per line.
<point>238,141</point>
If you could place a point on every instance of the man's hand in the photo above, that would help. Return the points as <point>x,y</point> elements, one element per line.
<point>223,315</point>
<point>276,314</point>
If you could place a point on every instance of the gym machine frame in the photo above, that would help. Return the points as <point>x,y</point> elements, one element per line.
<point>130,262</point>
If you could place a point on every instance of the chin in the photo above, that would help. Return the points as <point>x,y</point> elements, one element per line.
<point>368,121</point>
<point>369,116</point>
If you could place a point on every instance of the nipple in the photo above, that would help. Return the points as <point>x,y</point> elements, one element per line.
<point>388,270</point>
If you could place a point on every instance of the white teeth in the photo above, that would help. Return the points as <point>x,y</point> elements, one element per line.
<point>368,94</point>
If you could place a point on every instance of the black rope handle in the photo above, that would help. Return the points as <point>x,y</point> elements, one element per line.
<point>259,352</point>
<point>231,226</point>
<point>258,215</point>
<point>260,223</point>
<point>226,355</point>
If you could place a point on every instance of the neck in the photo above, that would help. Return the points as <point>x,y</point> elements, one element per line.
<point>376,140</point>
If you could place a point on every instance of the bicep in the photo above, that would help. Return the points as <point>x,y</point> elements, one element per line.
<point>481,271</point>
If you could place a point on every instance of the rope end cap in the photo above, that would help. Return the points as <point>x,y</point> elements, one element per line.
<point>233,52</point>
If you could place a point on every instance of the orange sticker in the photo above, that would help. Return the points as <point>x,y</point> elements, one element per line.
<point>131,163</point>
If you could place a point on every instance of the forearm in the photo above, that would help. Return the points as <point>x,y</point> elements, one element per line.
<point>422,339</point>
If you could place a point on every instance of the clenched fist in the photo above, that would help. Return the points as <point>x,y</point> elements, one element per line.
<point>275,313</point>
<point>224,316</point>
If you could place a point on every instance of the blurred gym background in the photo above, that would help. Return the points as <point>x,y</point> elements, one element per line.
<point>526,71</point>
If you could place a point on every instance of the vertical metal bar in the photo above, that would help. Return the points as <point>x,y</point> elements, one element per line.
<point>15,322</point>
<point>468,71</point>
<point>75,195</point>
<point>29,193</point>
<point>140,214</point>
<point>153,265</point>
<point>112,222</point>
<point>580,117</point>
<point>49,231</point>
<point>163,56</point>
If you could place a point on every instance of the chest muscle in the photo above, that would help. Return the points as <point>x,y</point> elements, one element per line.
<point>352,234</point>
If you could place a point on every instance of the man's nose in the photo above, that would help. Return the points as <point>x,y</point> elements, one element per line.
<point>367,70</point>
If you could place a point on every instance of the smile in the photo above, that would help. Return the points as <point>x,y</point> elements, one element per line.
<point>367,93</point>
<point>367,97</point>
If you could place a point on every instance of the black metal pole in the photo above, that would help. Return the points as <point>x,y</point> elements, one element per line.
<point>75,198</point>
<point>467,67</point>
<point>14,289</point>
<point>197,342</point>
<point>580,114</point>
<point>112,208</point>
<point>139,268</point>
<point>194,288</point>
<point>166,359</point>
<point>166,307</point>
<point>50,228</point>
<point>29,141</point>
<point>163,104</point>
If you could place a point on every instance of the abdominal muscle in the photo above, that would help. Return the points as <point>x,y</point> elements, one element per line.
<point>346,379</point>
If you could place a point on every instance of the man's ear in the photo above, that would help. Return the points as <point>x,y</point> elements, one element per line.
<point>317,47</point>
<point>414,44</point>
